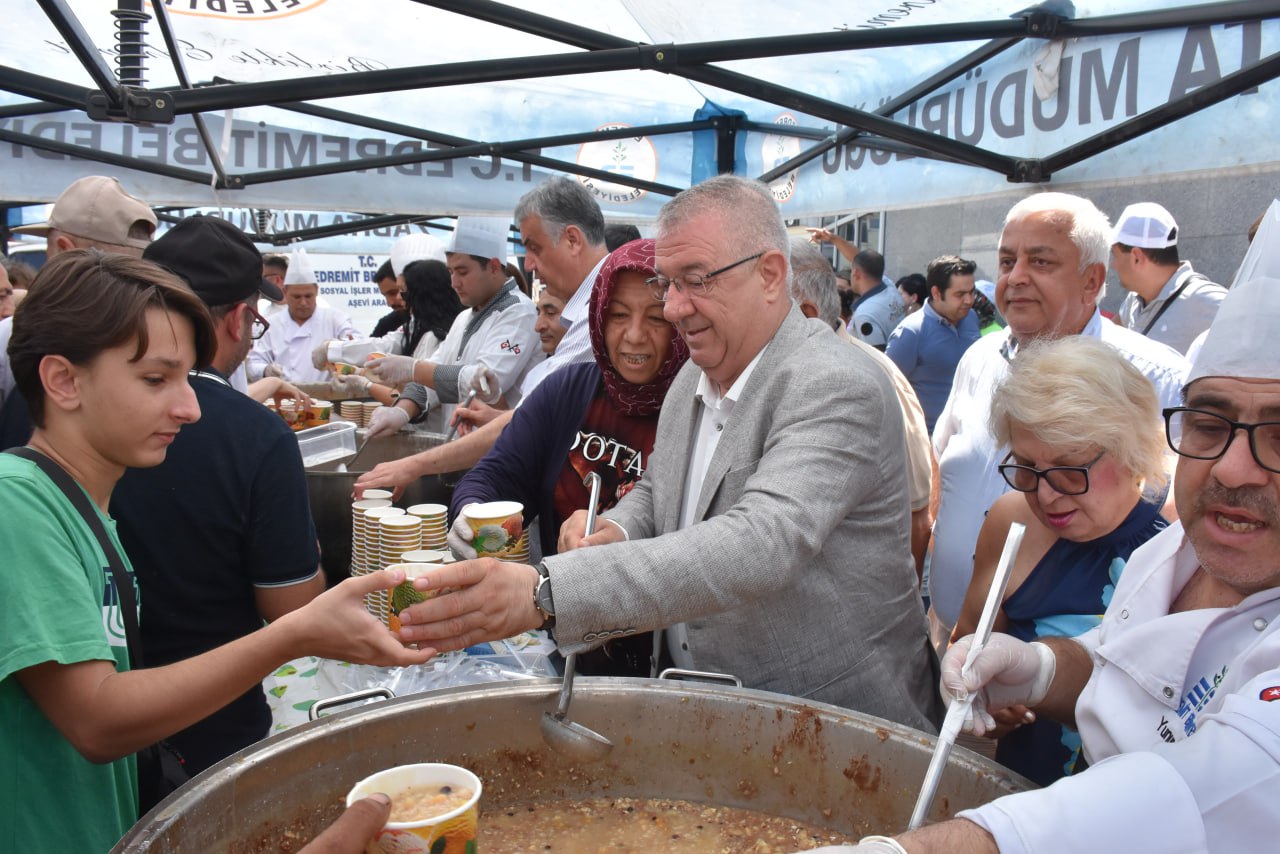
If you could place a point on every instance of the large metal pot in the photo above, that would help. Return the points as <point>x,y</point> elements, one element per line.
<point>330,493</point>
<point>728,746</point>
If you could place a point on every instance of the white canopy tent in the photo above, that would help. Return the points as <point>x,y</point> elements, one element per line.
<point>402,109</point>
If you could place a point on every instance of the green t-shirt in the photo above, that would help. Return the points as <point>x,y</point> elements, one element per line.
<point>57,603</point>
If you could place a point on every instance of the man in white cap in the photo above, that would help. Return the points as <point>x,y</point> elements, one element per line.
<point>1167,300</point>
<point>285,350</point>
<point>495,337</point>
<point>1177,693</point>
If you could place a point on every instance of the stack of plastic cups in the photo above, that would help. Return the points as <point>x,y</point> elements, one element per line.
<point>359,542</point>
<point>397,535</point>
<point>371,519</point>
<point>435,530</point>
<point>366,411</point>
<point>350,410</point>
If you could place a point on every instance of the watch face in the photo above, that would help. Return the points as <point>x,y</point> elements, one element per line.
<point>543,596</point>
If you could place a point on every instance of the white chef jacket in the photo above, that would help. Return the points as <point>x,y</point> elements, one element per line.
<point>1180,722</point>
<point>968,454</point>
<point>290,344</point>
<point>503,341</point>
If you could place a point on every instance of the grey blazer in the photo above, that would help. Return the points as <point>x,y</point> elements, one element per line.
<point>797,576</point>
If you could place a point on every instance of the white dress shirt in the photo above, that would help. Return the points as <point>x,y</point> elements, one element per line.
<point>716,411</point>
<point>968,454</point>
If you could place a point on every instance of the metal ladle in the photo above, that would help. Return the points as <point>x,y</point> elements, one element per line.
<point>565,736</point>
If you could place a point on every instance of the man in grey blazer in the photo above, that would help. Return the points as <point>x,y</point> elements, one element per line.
<point>773,516</point>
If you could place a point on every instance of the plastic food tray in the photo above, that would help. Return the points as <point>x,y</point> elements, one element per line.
<point>326,443</point>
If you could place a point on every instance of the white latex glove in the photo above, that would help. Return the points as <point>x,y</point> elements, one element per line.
<point>1007,672</point>
<point>275,369</point>
<point>320,356</point>
<point>391,370</point>
<point>460,537</point>
<point>485,384</point>
<point>349,386</point>
<point>386,420</point>
<point>867,845</point>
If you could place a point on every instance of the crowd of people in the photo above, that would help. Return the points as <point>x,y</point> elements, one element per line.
<point>808,482</point>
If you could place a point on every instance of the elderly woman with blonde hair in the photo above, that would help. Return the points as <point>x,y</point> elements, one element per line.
<point>1087,461</point>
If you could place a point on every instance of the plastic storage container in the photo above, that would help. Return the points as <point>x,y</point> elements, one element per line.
<point>326,443</point>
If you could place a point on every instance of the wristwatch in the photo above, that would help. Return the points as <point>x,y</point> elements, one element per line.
<point>542,598</point>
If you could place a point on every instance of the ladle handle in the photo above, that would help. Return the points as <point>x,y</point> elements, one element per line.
<point>956,712</point>
<point>566,686</point>
<point>593,483</point>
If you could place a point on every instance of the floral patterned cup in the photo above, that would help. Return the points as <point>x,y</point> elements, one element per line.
<point>495,526</point>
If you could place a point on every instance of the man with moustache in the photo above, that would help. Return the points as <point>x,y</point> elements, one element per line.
<point>1177,693</point>
<point>752,503</point>
<point>1052,264</point>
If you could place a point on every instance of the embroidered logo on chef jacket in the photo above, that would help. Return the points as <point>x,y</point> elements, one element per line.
<point>1270,694</point>
<point>514,348</point>
<point>1193,702</point>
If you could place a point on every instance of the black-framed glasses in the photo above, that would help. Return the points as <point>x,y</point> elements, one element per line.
<point>260,325</point>
<point>693,283</point>
<point>1067,480</point>
<point>1203,435</point>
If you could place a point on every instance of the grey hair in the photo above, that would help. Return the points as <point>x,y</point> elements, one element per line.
<point>813,280</point>
<point>1088,227</point>
<point>745,206</point>
<point>1078,394</point>
<point>561,202</point>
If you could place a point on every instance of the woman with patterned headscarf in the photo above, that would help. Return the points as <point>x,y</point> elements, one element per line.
<point>596,417</point>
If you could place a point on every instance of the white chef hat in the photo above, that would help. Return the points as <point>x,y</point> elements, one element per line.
<point>299,272</point>
<point>415,247</point>
<point>1263,255</point>
<point>1240,341</point>
<point>482,236</point>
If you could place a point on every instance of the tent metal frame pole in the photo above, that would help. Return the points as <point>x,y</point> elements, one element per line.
<point>82,47</point>
<point>458,148</point>
<point>93,154</point>
<point>1228,87</point>
<point>184,80</point>
<point>989,50</point>
<point>45,89</point>
<point>1036,22</point>
<point>601,44</point>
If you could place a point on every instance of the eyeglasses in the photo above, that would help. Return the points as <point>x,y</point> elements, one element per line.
<point>1204,435</point>
<point>260,325</point>
<point>693,283</point>
<point>1066,480</point>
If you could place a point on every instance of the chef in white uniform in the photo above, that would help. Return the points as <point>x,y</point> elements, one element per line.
<point>285,349</point>
<point>1177,693</point>
<point>495,336</point>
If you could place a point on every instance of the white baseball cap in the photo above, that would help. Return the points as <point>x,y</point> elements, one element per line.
<point>1146,225</point>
